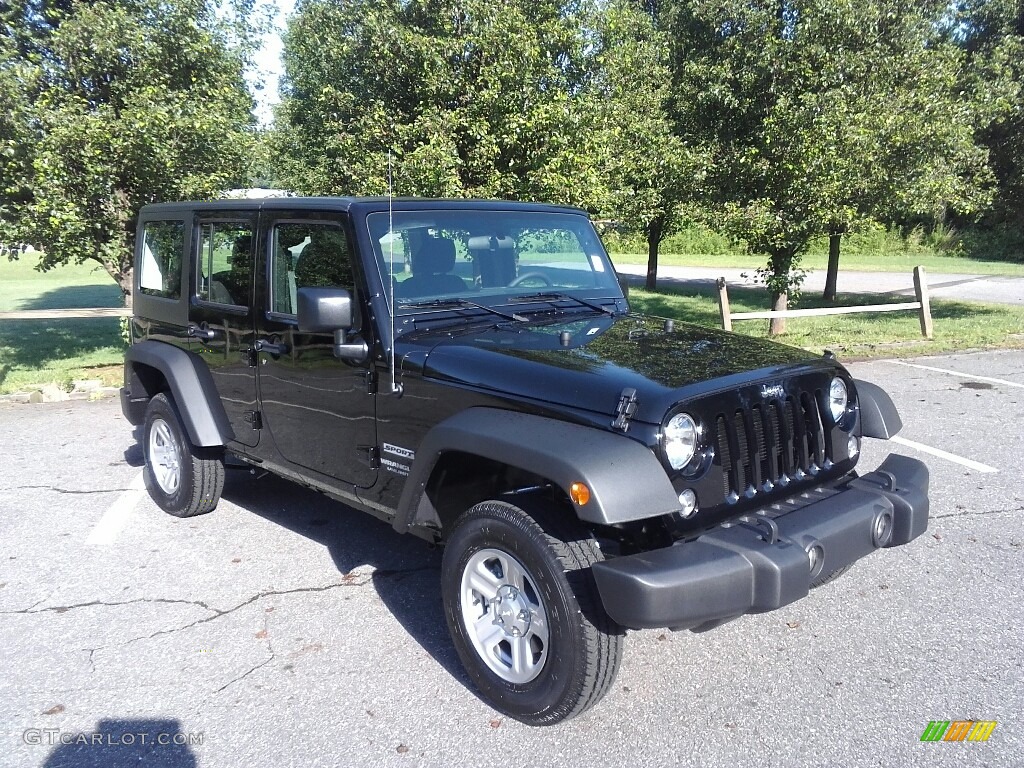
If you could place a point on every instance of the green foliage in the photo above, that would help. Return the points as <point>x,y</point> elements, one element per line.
<point>991,32</point>
<point>157,110</point>
<point>471,99</point>
<point>820,115</point>
<point>652,172</point>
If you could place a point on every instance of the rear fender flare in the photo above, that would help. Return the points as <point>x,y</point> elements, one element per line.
<point>192,386</point>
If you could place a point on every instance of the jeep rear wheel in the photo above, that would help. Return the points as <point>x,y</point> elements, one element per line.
<point>524,612</point>
<point>182,479</point>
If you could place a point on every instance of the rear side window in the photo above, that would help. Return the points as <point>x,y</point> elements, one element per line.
<point>224,275</point>
<point>160,267</point>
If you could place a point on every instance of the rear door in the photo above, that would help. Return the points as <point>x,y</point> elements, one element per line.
<point>224,250</point>
<point>320,411</point>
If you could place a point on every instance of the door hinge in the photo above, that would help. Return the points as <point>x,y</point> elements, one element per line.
<point>255,418</point>
<point>371,381</point>
<point>372,455</point>
<point>625,409</point>
<point>251,356</point>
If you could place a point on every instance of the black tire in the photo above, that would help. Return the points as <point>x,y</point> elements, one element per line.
<point>582,647</point>
<point>196,485</point>
<point>829,577</point>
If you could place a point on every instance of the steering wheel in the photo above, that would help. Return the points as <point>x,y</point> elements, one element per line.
<point>529,276</point>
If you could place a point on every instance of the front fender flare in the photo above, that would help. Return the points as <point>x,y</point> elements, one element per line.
<point>626,480</point>
<point>878,415</point>
<point>192,386</point>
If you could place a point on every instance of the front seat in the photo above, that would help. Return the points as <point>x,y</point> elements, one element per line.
<point>431,271</point>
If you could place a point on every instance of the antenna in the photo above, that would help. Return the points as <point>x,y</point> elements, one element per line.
<point>395,387</point>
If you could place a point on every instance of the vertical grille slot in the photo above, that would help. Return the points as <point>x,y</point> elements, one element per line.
<point>770,443</point>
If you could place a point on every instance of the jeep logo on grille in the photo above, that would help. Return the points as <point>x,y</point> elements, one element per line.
<point>769,391</point>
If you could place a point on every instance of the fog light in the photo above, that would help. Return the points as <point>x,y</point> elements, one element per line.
<point>853,446</point>
<point>815,558</point>
<point>688,501</point>
<point>579,493</point>
<point>881,529</point>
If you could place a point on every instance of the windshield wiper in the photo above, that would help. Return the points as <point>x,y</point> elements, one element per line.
<point>455,302</point>
<point>553,296</point>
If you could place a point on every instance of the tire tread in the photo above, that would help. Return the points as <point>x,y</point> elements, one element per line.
<point>575,550</point>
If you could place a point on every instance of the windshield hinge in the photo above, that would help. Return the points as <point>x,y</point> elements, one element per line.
<point>625,409</point>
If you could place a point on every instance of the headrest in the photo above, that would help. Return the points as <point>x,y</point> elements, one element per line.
<point>436,257</point>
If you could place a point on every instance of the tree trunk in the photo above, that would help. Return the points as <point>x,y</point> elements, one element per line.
<point>777,325</point>
<point>832,277</point>
<point>655,232</point>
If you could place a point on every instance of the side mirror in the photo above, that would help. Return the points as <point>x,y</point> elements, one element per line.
<point>329,310</point>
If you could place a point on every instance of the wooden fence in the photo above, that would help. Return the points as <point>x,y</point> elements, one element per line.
<point>922,305</point>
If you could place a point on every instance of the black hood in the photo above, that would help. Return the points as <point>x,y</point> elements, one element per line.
<point>586,361</point>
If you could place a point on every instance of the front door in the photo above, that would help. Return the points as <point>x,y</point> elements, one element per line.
<point>319,410</point>
<point>221,316</point>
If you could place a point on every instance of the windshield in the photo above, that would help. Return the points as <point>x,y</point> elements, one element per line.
<point>490,257</point>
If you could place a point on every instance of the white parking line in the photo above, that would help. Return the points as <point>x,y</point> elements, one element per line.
<point>116,517</point>
<point>1004,382</point>
<point>975,465</point>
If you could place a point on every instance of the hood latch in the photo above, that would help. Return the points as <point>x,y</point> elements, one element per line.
<point>625,409</point>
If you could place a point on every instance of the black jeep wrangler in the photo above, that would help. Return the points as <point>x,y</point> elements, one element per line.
<point>471,373</point>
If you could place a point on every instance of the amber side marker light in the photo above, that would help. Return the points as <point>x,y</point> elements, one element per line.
<point>579,493</point>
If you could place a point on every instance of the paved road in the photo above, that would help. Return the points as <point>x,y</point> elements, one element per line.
<point>1001,289</point>
<point>286,630</point>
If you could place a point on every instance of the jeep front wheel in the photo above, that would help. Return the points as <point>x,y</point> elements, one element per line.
<point>182,479</point>
<point>524,612</point>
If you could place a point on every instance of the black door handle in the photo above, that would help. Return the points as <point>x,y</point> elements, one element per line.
<point>271,348</point>
<point>202,332</point>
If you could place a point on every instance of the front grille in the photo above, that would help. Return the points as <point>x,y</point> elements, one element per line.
<point>771,443</point>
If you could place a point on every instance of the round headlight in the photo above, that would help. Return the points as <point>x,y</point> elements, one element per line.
<point>680,440</point>
<point>838,398</point>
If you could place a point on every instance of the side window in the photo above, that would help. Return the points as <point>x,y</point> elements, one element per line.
<point>224,274</point>
<point>160,267</point>
<point>307,254</point>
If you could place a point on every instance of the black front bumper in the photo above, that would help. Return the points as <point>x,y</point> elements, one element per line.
<point>763,562</point>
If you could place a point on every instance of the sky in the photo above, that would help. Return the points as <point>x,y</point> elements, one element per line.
<point>268,62</point>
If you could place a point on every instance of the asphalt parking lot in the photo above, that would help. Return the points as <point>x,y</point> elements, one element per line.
<point>285,629</point>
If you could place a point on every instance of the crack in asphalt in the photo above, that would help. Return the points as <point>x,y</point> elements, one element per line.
<point>976,513</point>
<point>218,613</point>
<point>261,665</point>
<point>349,579</point>
<point>112,604</point>
<point>244,675</point>
<point>55,489</point>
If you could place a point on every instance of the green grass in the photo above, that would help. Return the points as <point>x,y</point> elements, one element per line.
<point>854,262</point>
<point>38,352</point>
<point>876,250</point>
<point>958,325</point>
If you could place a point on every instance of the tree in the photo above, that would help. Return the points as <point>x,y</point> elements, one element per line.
<point>991,33</point>
<point>469,98</point>
<point>820,115</point>
<point>651,173</point>
<point>130,103</point>
<point>17,78</point>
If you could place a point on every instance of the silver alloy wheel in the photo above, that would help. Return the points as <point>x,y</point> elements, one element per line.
<point>504,615</point>
<point>164,457</point>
